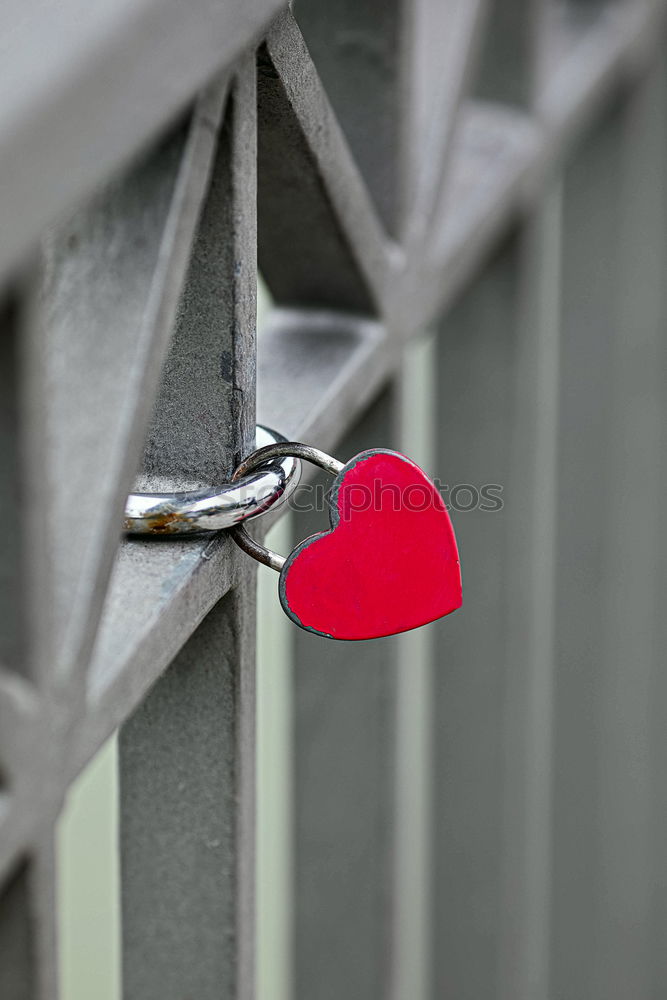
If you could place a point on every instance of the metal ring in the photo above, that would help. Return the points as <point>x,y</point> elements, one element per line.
<point>292,449</point>
<point>265,486</point>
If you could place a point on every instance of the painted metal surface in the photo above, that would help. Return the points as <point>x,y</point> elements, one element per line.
<point>389,563</point>
<point>129,140</point>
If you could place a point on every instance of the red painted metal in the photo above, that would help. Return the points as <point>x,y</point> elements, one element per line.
<point>389,562</point>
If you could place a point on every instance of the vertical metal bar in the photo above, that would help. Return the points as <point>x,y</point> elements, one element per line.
<point>477,351</point>
<point>657,721</point>
<point>447,41</point>
<point>508,67</point>
<point>43,892</point>
<point>18,969</point>
<point>181,793</point>
<point>187,755</point>
<point>26,615</point>
<point>607,606</point>
<point>275,800</point>
<point>633,605</point>
<point>204,417</point>
<point>411,945</point>
<point>590,234</point>
<point>654,269</point>
<point>524,930</point>
<point>12,581</point>
<point>28,962</point>
<point>365,48</point>
<point>344,738</point>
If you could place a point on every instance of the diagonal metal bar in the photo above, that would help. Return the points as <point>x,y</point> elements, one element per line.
<point>31,778</point>
<point>365,47</point>
<point>111,286</point>
<point>313,201</point>
<point>92,86</point>
<point>442,81</point>
<point>511,51</point>
<point>13,582</point>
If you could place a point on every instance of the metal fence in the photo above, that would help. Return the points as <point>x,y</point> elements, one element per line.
<point>479,811</point>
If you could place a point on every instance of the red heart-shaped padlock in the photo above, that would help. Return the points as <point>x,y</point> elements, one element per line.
<point>389,562</point>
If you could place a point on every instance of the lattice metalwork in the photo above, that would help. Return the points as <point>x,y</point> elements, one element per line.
<point>491,170</point>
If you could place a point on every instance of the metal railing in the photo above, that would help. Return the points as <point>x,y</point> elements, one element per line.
<point>491,171</point>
